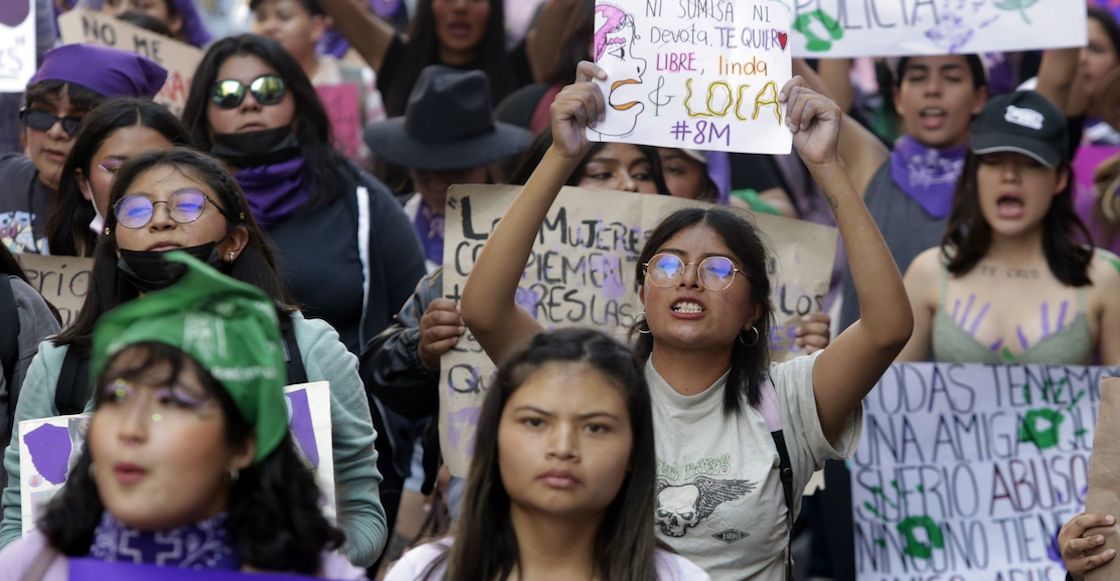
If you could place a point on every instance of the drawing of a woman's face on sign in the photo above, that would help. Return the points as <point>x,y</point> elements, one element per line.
<point>614,52</point>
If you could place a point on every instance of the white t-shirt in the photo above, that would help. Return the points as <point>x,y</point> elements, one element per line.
<point>414,564</point>
<point>719,495</point>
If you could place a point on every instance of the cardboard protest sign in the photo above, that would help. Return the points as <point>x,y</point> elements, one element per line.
<point>1104,486</point>
<point>967,471</point>
<point>694,74</point>
<point>341,102</point>
<point>49,448</point>
<point>180,59</point>
<point>62,280</point>
<point>17,44</point>
<point>582,272</point>
<point>847,28</point>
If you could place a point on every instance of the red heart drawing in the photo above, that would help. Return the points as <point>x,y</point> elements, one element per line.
<point>782,38</point>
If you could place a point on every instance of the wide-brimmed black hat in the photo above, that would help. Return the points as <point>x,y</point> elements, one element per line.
<point>1022,122</point>
<point>448,124</point>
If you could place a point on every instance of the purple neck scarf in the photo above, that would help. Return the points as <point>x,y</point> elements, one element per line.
<point>927,175</point>
<point>429,228</point>
<point>203,545</point>
<point>274,191</point>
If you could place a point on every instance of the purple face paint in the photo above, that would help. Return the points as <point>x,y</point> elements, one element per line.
<point>968,308</point>
<point>1045,308</point>
<point>301,426</point>
<point>979,318</point>
<point>1062,315</point>
<point>1022,338</point>
<point>49,447</point>
<point>14,12</point>
<point>995,346</point>
<point>956,308</point>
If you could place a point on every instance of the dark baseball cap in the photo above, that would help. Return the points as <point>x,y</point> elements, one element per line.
<point>1022,122</point>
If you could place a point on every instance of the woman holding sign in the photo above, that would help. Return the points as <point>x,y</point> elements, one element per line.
<point>184,200</point>
<point>1011,283</point>
<point>188,462</point>
<point>718,402</point>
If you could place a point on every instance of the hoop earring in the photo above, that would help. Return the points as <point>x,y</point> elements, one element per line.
<point>752,343</point>
<point>637,326</point>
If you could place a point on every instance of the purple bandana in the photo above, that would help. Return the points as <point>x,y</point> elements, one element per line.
<point>429,228</point>
<point>203,545</point>
<point>274,191</point>
<point>927,175</point>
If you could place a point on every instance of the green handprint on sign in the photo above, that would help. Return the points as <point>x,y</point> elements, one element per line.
<point>1020,5</point>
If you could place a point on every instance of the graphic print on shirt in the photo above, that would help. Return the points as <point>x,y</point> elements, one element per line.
<point>16,233</point>
<point>681,507</point>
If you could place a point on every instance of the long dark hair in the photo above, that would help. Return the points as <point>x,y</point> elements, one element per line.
<point>485,546</point>
<point>968,236</point>
<point>576,37</point>
<point>274,518</point>
<point>1108,23</point>
<point>748,362</point>
<point>536,150</point>
<point>255,265</point>
<point>68,232</point>
<point>324,168</point>
<point>489,57</point>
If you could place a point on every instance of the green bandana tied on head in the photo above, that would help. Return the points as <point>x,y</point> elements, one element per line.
<point>228,326</point>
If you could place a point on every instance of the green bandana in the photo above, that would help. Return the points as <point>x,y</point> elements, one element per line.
<point>228,326</point>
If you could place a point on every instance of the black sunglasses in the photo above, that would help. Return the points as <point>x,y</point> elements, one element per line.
<point>266,89</point>
<point>42,121</point>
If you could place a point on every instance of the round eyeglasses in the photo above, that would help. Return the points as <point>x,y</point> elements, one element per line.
<point>183,206</point>
<point>266,89</point>
<point>714,273</point>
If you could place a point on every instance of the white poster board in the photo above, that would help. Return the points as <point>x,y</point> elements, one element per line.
<point>692,74</point>
<point>49,447</point>
<point>17,44</point>
<point>850,28</point>
<point>967,471</point>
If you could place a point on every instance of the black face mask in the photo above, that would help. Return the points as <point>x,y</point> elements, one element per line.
<point>255,148</point>
<point>148,271</point>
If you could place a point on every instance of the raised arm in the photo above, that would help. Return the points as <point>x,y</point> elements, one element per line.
<point>1056,74</point>
<point>488,305</point>
<point>863,153</point>
<point>368,34</point>
<point>854,362</point>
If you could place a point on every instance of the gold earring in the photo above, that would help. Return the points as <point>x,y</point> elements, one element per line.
<point>231,256</point>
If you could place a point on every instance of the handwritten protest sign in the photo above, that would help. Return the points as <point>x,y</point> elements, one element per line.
<point>180,59</point>
<point>968,471</point>
<point>49,448</point>
<point>698,74</point>
<point>62,280</point>
<point>849,28</point>
<point>582,272</point>
<point>17,44</point>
